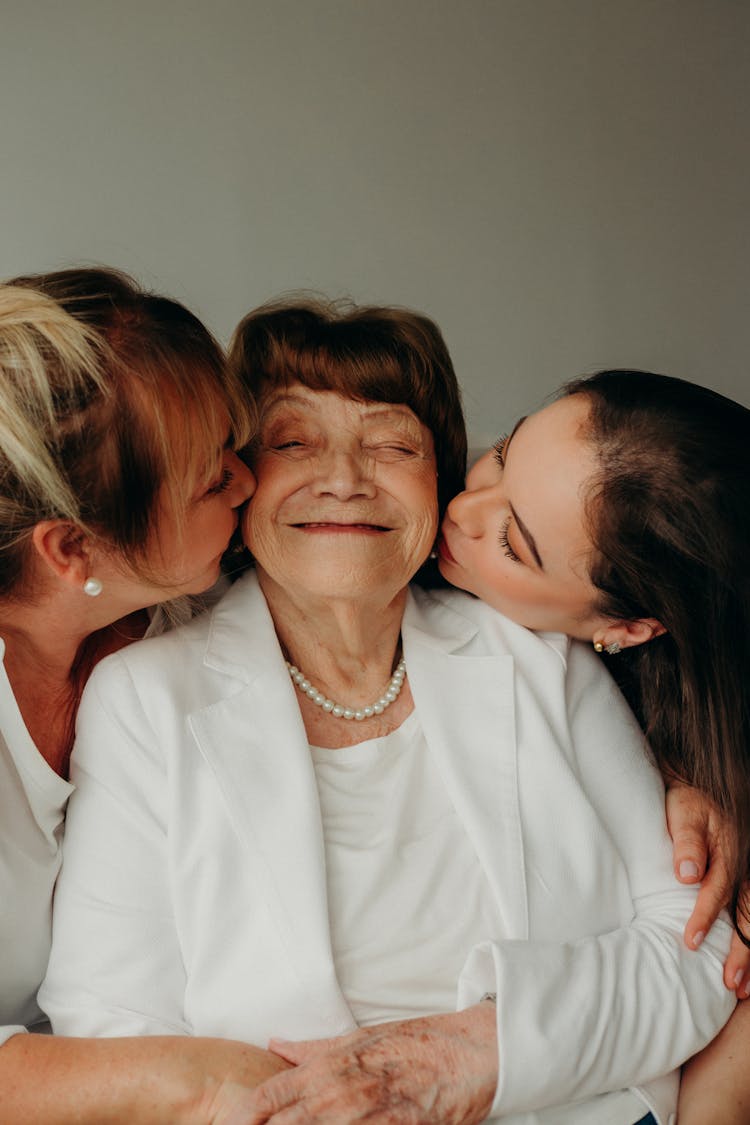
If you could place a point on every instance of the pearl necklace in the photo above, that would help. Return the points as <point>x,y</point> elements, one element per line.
<point>389,696</point>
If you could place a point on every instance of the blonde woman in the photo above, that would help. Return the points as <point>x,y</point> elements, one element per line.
<point>119,489</point>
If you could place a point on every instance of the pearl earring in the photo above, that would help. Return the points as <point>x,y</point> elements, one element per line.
<point>92,587</point>
<point>598,646</point>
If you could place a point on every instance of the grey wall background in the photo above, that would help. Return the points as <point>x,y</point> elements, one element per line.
<point>562,184</point>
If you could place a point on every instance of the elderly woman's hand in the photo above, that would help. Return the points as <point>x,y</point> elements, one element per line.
<point>436,1070</point>
<point>697,833</point>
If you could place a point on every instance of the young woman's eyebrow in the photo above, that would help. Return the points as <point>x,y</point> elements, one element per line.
<point>529,538</point>
<point>517,426</point>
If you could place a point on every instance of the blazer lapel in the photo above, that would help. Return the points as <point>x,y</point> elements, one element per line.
<point>255,743</point>
<point>466,707</point>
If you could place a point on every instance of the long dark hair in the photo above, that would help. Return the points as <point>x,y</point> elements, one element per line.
<point>669,515</point>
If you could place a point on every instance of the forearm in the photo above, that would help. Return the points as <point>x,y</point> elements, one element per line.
<point>428,1070</point>
<point>623,1007</point>
<point>152,1080</point>
<point>716,1083</point>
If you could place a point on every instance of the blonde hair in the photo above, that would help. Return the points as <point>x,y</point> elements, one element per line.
<point>102,388</point>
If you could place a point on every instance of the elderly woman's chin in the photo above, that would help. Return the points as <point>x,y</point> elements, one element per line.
<point>343,565</point>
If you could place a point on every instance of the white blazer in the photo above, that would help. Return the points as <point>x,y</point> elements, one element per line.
<point>193,892</point>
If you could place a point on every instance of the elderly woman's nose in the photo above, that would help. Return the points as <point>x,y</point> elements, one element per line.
<point>344,473</point>
<point>243,484</point>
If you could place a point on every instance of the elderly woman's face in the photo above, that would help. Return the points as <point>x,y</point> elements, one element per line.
<point>346,498</point>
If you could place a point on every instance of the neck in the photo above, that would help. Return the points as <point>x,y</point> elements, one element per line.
<point>347,647</point>
<point>47,665</point>
<point>40,639</point>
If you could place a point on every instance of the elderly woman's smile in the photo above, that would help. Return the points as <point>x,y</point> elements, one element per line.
<point>354,480</point>
<point>343,526</point>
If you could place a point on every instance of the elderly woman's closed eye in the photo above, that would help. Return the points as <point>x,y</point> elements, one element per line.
<point>371,815</point>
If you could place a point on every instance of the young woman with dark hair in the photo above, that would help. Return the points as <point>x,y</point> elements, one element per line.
<point>669,517</point>
<point>648,560</point>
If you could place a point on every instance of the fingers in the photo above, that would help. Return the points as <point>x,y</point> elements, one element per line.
<point>711,899</point>
<point>323,1095</point>
<point>293,1115</point>
<point>737,969</point>
<point>299,1051</point>
<point>267,1102</point>
<point>698,837</point>
<point>737,966</point>
<point>405,1072</point>
<point>688,823</point>
<point>235,1105</point>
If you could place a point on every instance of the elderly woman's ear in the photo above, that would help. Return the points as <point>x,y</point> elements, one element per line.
<point>64,549</point>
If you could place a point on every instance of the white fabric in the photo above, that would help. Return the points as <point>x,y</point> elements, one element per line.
<point>193,897</point>
<point>398,860</point>
<point>31,823</point>
<point>403,879</point>
<point>33,799</point>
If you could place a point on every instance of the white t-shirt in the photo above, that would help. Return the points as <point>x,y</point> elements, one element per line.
<point>32,812</point>
<point>402,876</point>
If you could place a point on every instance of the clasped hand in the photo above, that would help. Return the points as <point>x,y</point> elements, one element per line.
<point>698,835</point>
<point>435,1070</point>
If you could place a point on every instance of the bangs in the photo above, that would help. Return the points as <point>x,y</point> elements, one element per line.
<point>371,377</point>
<point>355,358</point>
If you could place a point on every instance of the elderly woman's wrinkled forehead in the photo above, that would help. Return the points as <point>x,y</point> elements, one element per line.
<point>293,415</point>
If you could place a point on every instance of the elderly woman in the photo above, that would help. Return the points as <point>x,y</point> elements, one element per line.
<point>119,489</point>
<point>340,801</point>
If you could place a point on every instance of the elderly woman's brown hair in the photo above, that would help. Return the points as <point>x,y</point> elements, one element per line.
<point>371,353</point>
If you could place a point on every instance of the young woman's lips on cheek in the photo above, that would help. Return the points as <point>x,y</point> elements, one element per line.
<point>444,551</point>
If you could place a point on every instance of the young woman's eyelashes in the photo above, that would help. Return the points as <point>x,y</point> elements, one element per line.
<point>499,448</point>
<point>505,543</point>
